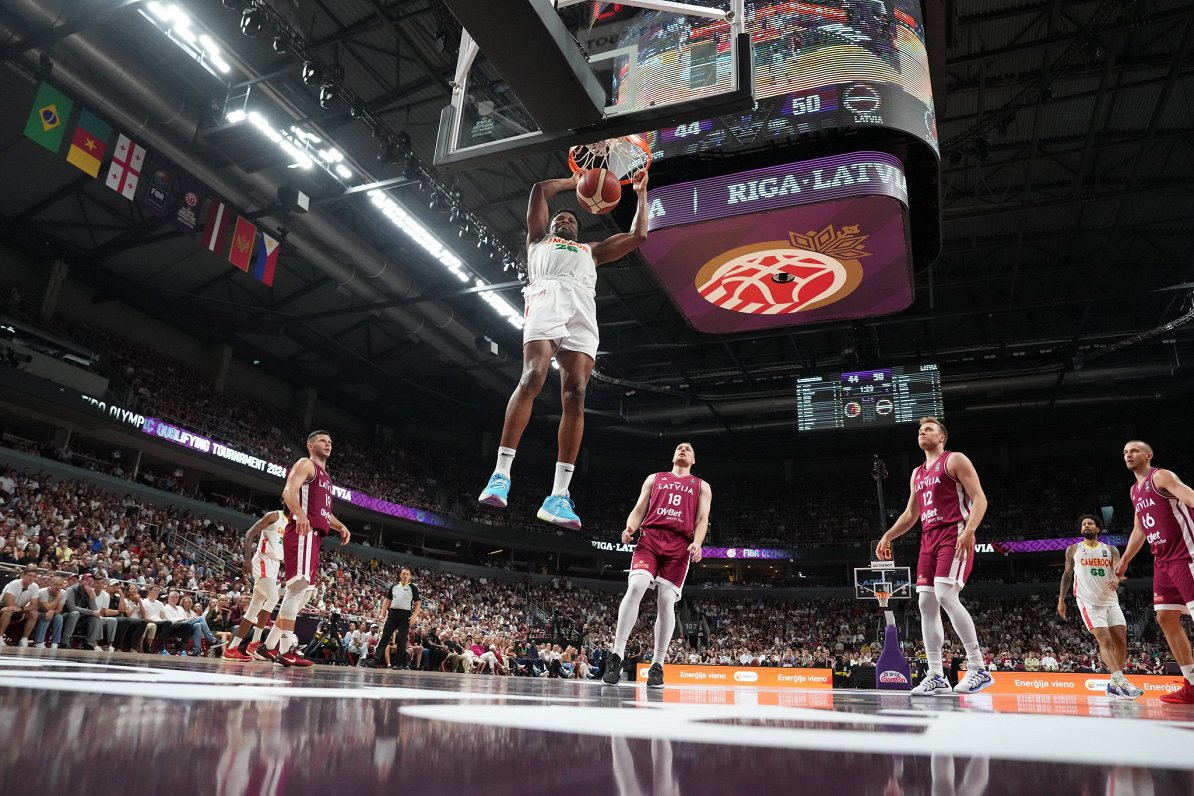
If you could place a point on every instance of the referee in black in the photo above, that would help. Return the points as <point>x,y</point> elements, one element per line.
<point>401,607</point>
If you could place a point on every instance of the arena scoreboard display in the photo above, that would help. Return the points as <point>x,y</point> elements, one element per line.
<point>868,398</point>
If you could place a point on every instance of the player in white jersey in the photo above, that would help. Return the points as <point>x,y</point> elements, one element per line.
<point>561,322</point>
<point>263,561</point>
<point>1090,574</point>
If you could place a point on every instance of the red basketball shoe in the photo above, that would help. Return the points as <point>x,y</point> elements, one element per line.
<point>1183,696</point>
<point>264,653</point>
<point>254,654</point>
<point>235,654</point>
<point>292,658</point>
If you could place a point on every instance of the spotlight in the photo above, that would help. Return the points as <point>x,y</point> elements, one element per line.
<point>327,96</point>
<point>375,131</point>
<point>482,241</point>
<point>279,45</point>
<point>250,22</point>
<point>433,203</point>
<point>312,73</point>
<point>355,113</point>
<point>454,214</point>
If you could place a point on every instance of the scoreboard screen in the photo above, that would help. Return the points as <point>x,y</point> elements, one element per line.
<point>868,398</point>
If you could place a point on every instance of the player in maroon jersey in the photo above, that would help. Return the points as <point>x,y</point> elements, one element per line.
<point>672,517</point>
<point>1164,518</point>
<point>308,495</point>
<point>949,501</point>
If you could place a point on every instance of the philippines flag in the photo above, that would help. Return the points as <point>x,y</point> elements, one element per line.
<point>215,230</point>
<point>265,259</point>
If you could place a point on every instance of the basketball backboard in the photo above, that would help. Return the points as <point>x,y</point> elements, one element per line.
<point>896,582</point>
<point>657,63</point>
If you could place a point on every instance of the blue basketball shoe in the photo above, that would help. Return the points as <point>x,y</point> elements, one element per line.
<point>1123,690</point>
<point>559,510</point>
<point>497,491</point>
<point>932,685</point>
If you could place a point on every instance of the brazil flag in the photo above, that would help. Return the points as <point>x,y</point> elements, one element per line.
<point>47,119</point>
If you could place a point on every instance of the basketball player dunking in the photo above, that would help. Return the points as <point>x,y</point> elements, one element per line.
<point>949,501</point>
<point>1164,509</point>
<point>561,321</point>
<point>672,517</point>
<point>1090,571</point>
<point>308,495</point>
<point>263,560</point>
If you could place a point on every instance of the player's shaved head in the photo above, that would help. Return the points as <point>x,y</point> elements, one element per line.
<point>1144,446</point>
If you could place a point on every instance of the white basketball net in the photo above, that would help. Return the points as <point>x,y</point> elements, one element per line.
<point>620,156</point>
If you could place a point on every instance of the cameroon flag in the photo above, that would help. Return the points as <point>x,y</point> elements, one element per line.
<point>47,119</point>
<point>89,143</point>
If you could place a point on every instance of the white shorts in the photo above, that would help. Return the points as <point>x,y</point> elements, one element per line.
<point>265,567</point>
<point>564,313</point>
<point>1101,615</point>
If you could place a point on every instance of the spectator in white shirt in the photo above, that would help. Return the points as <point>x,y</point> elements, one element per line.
<point>354,642</point>
<point>159,625</point>
<point>51,602</point>
<point>180,624</point>
<point>19,601</point>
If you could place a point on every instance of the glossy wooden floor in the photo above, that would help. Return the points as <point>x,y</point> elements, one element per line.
<point>133,724</point>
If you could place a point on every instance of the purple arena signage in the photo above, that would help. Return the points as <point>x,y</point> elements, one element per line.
<point>197,442</point>
<point>746,553</point>
<point>1041,545</point>
<point>800,243</point>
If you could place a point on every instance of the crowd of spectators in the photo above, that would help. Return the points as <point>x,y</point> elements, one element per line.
<point>1024,502</point>
<point>130,571</point>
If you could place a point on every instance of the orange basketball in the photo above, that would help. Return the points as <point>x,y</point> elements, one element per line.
<point>598,191</point>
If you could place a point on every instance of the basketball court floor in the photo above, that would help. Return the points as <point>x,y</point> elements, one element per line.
<point>138,724</point>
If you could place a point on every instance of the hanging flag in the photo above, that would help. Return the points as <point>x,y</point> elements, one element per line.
<point>188,203</point>
<point>157,195</point>
<point>242,243</point>
<point>47,119</point>
<point>215,229</point>
<point>125,171</point>
<point>89,143</point>
<point>265,259</point>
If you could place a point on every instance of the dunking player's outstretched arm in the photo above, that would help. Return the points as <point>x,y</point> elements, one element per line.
<point>1067,579</point>
<point>635,518</point>
<point>302,472</point>
<point>702,523</point>
<point>615,247</point>
<point>901,526</point>
<point>1135,542</point>
<point>538,213</point>
<point>963,470</point>
<point>251,537</point>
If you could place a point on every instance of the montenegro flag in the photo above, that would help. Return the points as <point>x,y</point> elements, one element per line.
<point>89,144</point>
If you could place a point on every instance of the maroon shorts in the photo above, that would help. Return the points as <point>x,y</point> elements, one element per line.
<point>1173,586</point>
<point>664,556</point>
<point>300,554</point>
<point>937,562</point>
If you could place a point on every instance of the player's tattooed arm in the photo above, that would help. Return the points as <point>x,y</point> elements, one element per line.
<point>1067,579</point>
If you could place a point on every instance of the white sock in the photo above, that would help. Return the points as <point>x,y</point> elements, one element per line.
<point>504,460</point>
<point>665,623</point>
<point>1117,676</point>
<point>275,635</point>
<point>255,633</point>
<point>563,478</point>
<point>1188,673</point>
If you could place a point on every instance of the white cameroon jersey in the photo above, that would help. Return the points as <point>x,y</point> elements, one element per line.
<point>270,544</point>
<point>1094,575</point>
<point>559,258</point>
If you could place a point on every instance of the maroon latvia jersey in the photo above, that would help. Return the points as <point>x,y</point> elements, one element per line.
<point>673,504</point>
<point>316,497</point>
<point>1165,520</point>
<point>942,499</point>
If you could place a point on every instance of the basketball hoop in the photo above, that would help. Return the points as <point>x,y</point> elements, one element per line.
<point>882,597</point>
<point>623,156</point>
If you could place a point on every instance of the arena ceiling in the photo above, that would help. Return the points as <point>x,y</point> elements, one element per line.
<point>1067,197</point>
